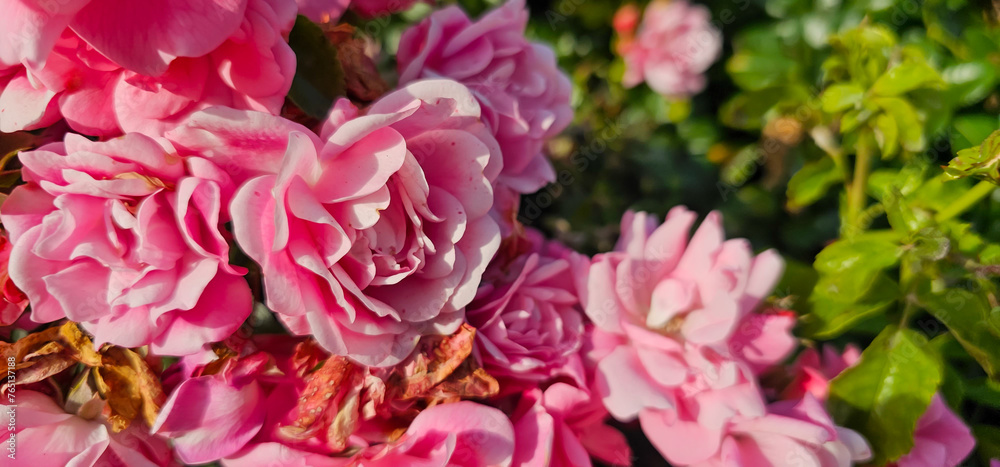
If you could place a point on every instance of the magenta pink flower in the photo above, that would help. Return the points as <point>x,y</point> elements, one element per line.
<point>528,315</point>
<point>673,47</point>
<point>524,96</point>
<point>941,438</point>
<point>563,427</point>
<point>375,237</point>
<point>322,11</point>
<point>249,67</point>
<point>123,236</point>
<point>47,435</point>
<point>378,8</point>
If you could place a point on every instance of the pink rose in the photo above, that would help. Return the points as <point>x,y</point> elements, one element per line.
<point>524,96</point>
<point>76,84</point>
<point>322,11</point>
<point>701,292</point>
<point>378,233</point>
<point>563,427</point>
<point>184,28</point>
<point>249,67</point>
<point>673,47</point>
<point>123,236</point>
<point>528,316</point>
<point>378,8</point>
<point>47,435</point>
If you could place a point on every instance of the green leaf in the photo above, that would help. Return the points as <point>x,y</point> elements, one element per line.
<point>911,128</point>
<point>887,391</point>
<point>887,135</point>
<point>871,251</point>
<point>981,161</point>
<point>319,79</point>
<point>841,97</point>
<point>970,130</point>
<point>811,182</point>
<point>970,318</point>
<point>852,284</point>
<point>906,77</point>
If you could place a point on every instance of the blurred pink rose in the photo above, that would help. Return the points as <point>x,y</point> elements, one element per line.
<point>374,237</point>
<point>123,236</point>
<point>563,426</point>
<point>47,435</point>
<point>379,8</point>
<point>249,67</point>
<point>672,48</point>
<point>524,96</point>
<point>528,316</point>
<point>813,371</point>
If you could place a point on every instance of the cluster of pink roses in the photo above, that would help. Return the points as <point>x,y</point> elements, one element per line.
<point>383,239</point>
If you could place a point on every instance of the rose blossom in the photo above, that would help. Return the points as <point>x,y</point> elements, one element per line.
<point>703,292</point>
<point>47,435</point>
<point>124,237</point>
<point>249,67</point>
<point>12,299</point>
<point>671,50</point>
<point>527,313</point>
<point>563,426</point>
<point>524,96</point>
<point>677,342</point>
<point>377,233</point>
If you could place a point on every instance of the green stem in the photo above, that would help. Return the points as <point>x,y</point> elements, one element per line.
<point>966,201</point>
<point>856,191</point>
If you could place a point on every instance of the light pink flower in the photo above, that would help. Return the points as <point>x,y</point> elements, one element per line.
<point>123,236</point>
<point>249,67</point>
<point>673,47</point>
<point>76,84</point>
<point>525,97</point>
<point>563,427</point>
<point>528,316</point>
<point>47,435</point>
<point>701,292</point>
<point>813,371</point>
<point>374,237</point>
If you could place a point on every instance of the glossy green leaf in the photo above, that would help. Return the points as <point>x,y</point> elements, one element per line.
<point>981,161</point>
<point>841,97</point>
<point>906,77</point>
<point>811,182</point>
<point>969,317</point>
<point>911,129</point>
<point>887,391</point>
